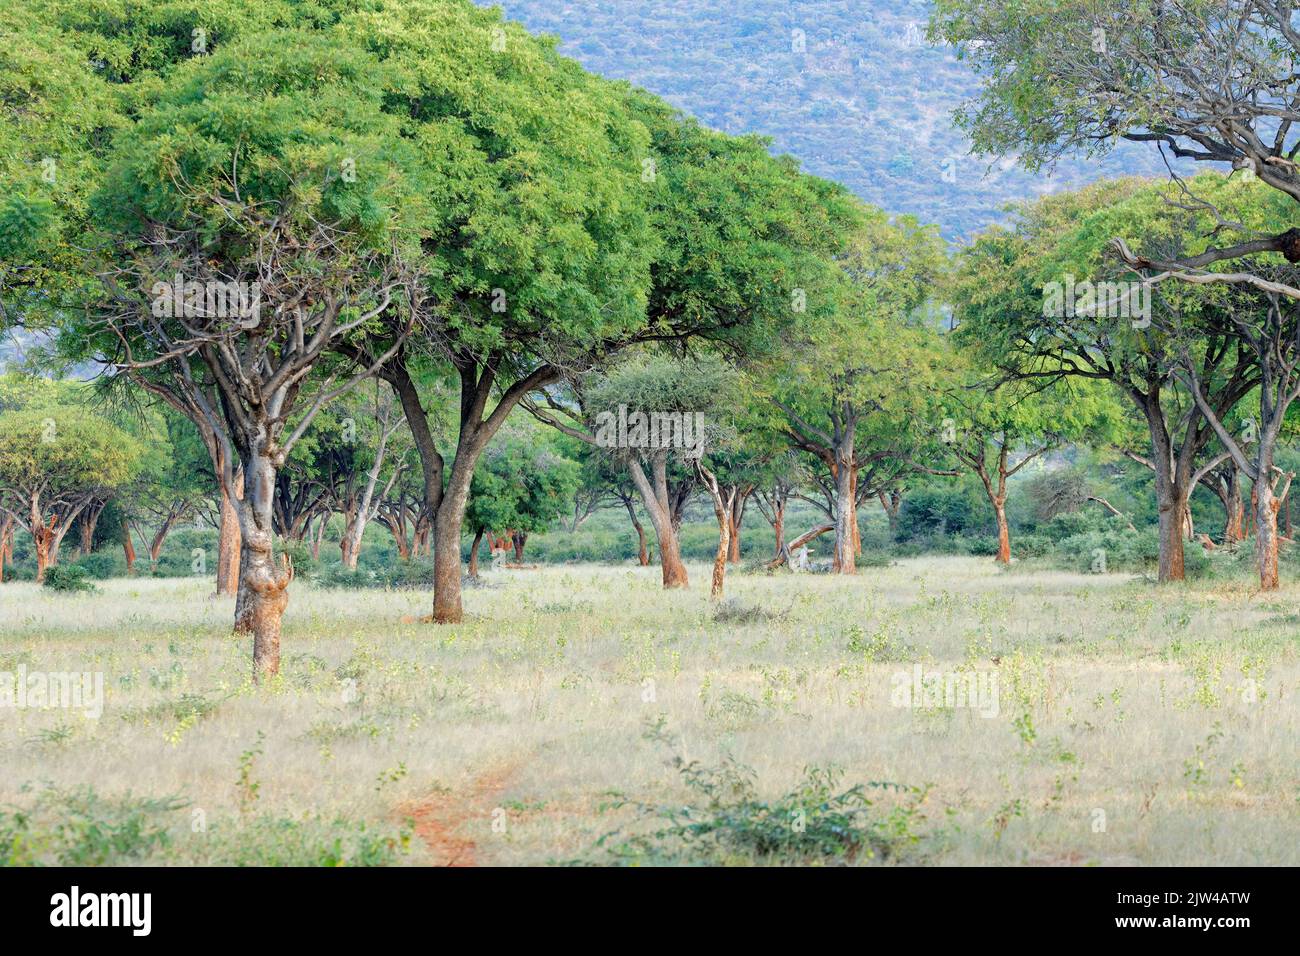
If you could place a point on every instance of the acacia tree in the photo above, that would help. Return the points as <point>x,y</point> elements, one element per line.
<point>855,386</point>
<point>1207,80</point>
<point>54,462</point>
<point>1009,318</point>
<point>523,483</point>
<point>998,428</point>
<point>261,212</point>
<point>655,415</point>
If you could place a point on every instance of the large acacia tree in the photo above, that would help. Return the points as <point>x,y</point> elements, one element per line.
<point>263,210</point>
<point>856,387</point>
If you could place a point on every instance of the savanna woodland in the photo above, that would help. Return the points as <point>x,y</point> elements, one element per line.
<point>418,448</point>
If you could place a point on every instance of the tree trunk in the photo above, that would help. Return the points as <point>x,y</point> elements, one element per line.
<point>724,549</point>
<point>318,535</point>
<point>736,517</point>
<point>128,549</point>
<point>1171,566</point>
<point>654,497</point>
<point>519,539</point>
<point>1004,532</point>
<point>447,608</point>
<point>853,526</point>
<point>156,546</point>
<point>845,510</point>
<point>42,538</point>
<point>778,527</point>
<point>473,554</point>
<point>1266,508</point>
<point>89,519</point>
<point>228,547</point>
<point>1233,506</point>
<point>642,556</point>
<point>263,589</point>
<point>6,536</point>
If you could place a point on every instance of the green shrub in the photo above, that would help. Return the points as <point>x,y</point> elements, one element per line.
<point>78,827</point>
<point>311,841</point>
<point>67,578</point>
<point>726,822</point>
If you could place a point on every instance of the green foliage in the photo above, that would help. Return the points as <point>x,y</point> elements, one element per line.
<point>68,578</point>
<point>729,824</point>
<point>78,827</point>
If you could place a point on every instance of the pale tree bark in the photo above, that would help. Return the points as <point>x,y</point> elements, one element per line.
<point>6,542</point>
<point>228,541</point>
<point>658,505</point>
<point>723,502</point>
<point>642,555</point>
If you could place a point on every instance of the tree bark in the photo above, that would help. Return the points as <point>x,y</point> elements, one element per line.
<point>228,546</point>
<point>1004,532</point>
<point>846,511</point>
<point>778,527</point>
<point>642,556</point>
<point>6,538</point>
<point>473,554</point>
<point>128,549</point>
<point>654,497</point>
<point>723,510</point>
<point>1266,508</point>
<point>263,589</point>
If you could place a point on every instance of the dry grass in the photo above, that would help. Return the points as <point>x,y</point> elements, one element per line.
<point>1171,712</point>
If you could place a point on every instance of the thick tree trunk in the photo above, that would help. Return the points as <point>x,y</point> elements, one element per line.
<point>654,497</point>
<point>1233,507</point>
<point>263,589</point>
<point>1004,532</point>
<point>128,549</point>
<point>1171,567</point>
<point>228,546</point>
<point>1266,508</point>
<point>447,608</point>
<point>518,540</point>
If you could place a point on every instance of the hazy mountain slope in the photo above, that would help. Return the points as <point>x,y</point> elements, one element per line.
<point>866,101</point>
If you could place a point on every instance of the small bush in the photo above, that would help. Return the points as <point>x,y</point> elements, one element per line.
<point>67,578</point>
<point>727,822</point>
<point>78,827</point>
<point>732,611</point>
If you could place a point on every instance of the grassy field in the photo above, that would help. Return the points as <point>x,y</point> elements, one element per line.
<point>1132,726</point>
